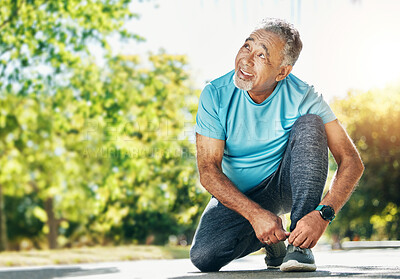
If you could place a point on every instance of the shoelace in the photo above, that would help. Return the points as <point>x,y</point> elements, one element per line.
<point>298,249</point>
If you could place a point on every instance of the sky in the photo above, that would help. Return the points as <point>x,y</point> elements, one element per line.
<point>347,44</point>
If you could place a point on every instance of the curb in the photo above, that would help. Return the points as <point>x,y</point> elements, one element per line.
<point>352,245</point>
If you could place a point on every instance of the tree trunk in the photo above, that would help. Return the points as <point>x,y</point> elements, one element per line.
<point>52,223</point>
<point>3,225</point>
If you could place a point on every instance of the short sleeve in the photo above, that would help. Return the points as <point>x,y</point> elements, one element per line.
<point>314,103</point>
<point>207,121</point>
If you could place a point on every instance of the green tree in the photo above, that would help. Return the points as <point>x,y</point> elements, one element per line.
<point>41,40</point>
<point>89,151</point>
<point>373,122</point>
<point>137,131</point>
<point>41,43</point>
<point>162,195</point>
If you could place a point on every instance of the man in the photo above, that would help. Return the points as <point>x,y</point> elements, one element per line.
<point>262,140</point>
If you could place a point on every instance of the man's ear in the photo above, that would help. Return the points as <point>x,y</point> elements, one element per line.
<point>284,72</point>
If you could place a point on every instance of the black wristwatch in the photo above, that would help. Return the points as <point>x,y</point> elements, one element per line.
<point>327,212</point>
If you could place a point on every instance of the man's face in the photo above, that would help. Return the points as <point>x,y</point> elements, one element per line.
<point>257,64</point>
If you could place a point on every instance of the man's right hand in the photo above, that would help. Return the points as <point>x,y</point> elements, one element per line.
<point>268,227</point>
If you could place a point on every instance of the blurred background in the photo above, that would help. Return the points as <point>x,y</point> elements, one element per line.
<point>98,101</point>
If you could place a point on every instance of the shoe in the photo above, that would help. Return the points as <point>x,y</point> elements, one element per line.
<point>298,259</point>
<point>275,254</point>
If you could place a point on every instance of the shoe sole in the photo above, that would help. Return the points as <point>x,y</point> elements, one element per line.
<point>273,267</point>
<point>294,265</point>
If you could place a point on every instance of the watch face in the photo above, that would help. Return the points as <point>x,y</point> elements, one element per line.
<point>327,212</point>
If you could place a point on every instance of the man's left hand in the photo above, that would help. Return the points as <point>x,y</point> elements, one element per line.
<point>308,230</point>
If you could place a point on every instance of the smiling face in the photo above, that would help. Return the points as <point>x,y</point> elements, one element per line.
<point>258,64</point>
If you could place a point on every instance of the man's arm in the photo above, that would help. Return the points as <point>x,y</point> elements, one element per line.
<point>350,168</point>
<point>267,225</point>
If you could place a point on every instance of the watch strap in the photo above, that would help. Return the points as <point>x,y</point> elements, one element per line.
<point>320,207</point>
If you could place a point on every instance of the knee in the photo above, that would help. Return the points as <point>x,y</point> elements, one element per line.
<point>204,258</point>
<point>310,125</point>
<point>310,120</point>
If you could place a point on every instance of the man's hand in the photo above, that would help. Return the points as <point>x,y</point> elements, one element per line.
<point>268,227</point>
<point>308,230</point>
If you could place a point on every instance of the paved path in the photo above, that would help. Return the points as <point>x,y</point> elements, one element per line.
<point>367,263</point>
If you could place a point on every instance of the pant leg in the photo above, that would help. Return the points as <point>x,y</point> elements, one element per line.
<point>217,239</point>
<point>223,235</point>
<point>304,167</point>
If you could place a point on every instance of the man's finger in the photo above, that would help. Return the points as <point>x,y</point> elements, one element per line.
<point>281,235</point>
<point>293,235</point>
<point>306,243</point>
<point>273,239</point>
<point>299,240</point>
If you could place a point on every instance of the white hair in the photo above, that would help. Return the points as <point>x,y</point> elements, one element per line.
<point>286,33</point>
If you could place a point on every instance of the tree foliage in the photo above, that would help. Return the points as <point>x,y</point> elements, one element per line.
<point>41,40</point>
<point>91,153</point>
<point>373,122</point>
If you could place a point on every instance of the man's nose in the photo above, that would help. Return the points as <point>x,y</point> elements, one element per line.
<point>249,60</point>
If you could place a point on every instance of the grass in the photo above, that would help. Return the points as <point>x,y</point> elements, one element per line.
<point>92,254</point>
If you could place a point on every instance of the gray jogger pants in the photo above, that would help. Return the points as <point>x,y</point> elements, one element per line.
<point>296,187</point>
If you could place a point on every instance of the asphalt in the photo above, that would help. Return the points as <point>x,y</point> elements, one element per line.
<point>364,263</point>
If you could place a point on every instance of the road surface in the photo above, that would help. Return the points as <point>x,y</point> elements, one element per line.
<point>366,263</point>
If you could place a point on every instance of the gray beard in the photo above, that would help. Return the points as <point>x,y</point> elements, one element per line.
<point>242,84</point>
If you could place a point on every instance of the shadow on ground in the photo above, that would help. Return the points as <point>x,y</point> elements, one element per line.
<point>49,273</point>
<point>323,271</point>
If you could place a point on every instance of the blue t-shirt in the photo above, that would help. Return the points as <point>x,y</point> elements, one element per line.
<point>255,135</point>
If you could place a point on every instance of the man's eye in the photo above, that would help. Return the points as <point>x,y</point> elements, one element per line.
<point>246,46</point>
<point>261,55</point>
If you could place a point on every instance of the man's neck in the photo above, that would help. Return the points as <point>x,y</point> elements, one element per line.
<point>259,97</point>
